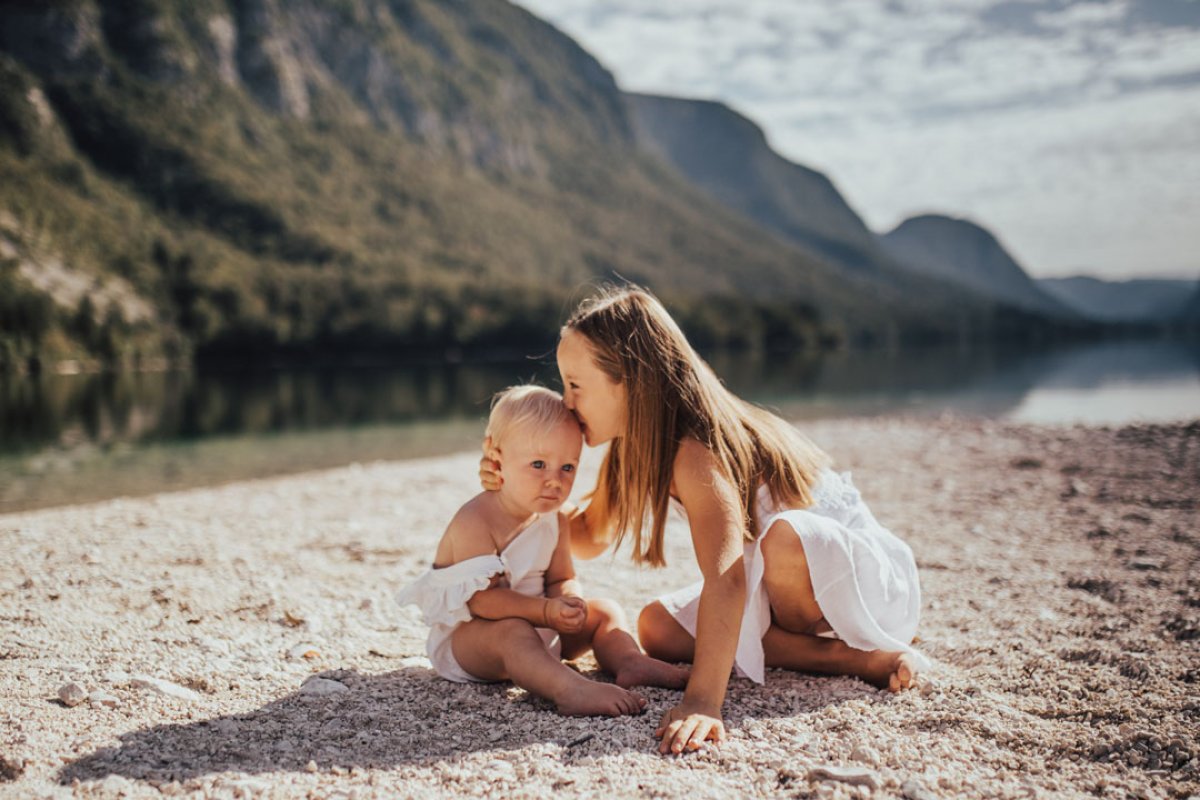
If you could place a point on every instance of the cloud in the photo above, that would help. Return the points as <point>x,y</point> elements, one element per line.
<point>1068,127</point>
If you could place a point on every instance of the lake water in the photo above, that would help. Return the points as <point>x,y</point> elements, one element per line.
<point>66,439</point>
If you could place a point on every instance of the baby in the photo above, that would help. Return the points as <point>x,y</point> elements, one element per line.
<point>501,599</point>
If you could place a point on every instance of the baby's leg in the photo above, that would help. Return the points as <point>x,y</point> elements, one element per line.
<point>510,649</point>
<point>607,634</point>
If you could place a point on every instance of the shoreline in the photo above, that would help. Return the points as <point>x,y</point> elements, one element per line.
<point>1058,608</point>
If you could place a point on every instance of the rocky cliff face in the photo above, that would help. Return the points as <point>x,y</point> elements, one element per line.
<point>960,251</point>
<point>484,80</point>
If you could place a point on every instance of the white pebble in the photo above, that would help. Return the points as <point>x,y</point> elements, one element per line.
<point>856,776</point>
<point>913,790</point>
<point>866,755</point>
<point>163,687</point>
<point>72,694</point>
<point>103,698</point>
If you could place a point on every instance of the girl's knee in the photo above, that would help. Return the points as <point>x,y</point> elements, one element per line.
<point>662,636</point>
<point>781,541</point>
<point>653,623</point>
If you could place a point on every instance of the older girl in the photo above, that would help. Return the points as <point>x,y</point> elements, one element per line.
<point>797,573</point>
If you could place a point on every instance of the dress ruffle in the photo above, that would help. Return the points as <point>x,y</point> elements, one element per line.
<point>442,594</point>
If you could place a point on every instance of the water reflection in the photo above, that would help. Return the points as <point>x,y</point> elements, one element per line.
<point>78,438</point>
<point>168,406</point>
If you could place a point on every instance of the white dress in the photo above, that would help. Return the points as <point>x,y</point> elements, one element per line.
<point>442,593</point>
<point>863,576</point>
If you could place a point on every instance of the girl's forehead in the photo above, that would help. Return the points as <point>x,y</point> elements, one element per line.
<point>574,352</point>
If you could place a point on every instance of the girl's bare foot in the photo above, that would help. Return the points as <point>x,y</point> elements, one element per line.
<point>587,698</point>
<point>891,670</point>
<point>646,671</point>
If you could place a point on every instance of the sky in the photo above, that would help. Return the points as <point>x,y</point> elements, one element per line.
<point>1070,129</point>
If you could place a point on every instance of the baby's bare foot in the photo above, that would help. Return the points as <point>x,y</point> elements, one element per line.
<point>588,698</point>
<point>647,671</point>
<point>891,670</point>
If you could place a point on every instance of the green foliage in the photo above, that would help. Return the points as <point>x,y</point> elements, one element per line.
<point>464,174</point>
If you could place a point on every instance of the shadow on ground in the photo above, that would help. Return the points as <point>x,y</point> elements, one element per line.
<point>409,716</point>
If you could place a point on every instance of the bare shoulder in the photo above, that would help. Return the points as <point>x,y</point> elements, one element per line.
<point>468,535</point>
<point>694,466</point>
<point>696,478</point>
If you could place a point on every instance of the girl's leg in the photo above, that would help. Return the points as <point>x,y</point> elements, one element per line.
<point>510,649</point>
<point>805,653</point>
<point>662,636</point>
<point>606,633</point>
<point>796,616</point>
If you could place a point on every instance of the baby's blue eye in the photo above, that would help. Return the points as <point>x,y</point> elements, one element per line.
<point>568,467</point>
<point>539,464</point>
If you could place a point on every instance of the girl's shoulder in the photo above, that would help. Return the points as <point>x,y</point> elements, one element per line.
<point>695,467</point>
<point>692,458</point>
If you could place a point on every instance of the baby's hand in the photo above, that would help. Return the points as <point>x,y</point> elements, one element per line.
<point>566,614</point>
<point>489,467</point>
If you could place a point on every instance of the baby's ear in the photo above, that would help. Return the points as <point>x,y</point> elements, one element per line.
<point>494,454</point>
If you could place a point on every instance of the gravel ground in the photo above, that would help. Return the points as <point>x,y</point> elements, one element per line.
<point>1060,608</point>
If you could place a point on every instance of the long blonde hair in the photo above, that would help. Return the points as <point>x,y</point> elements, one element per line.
<point>673,394</point>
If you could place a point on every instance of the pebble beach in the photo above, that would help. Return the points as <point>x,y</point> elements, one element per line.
<point>242,641</point>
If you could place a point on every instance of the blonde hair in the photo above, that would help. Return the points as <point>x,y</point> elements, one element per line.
<point>673,394</point>
<point>526,405</point>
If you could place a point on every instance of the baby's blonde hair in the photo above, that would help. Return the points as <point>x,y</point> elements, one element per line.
<point>526,405</point>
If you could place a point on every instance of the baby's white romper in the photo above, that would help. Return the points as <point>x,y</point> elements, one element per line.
<point>442,594</point>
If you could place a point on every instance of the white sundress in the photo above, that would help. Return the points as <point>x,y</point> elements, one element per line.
<point>863,576</point>
<point>442,593</point>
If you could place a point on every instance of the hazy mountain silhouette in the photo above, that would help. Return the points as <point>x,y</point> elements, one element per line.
<point>1138,300</point>
<point>961,251</point>
<point>729,157</point>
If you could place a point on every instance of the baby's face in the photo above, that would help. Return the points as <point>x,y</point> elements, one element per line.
<point>538,466</point>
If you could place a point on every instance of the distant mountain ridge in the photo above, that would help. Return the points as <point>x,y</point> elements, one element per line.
<point>728,156</point>
<point>256,177</point>
<point>1138,300</point>
<point>963,252</point>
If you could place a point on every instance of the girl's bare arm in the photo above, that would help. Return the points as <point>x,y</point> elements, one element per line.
<point>714,511</point>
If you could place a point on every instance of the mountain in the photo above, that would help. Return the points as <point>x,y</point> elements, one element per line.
<point>1139,300</point>
<point>728,156</point>
<point>961,251</point>
<point>246,178</point>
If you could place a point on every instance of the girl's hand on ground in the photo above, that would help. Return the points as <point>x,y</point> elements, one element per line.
<point>489,467</point>
<point>566,614</point>
<point>685,728</point>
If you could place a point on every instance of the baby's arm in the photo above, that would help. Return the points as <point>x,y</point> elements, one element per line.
<point>560,574</point>
<point>561,586</point>
<point>467,537</point>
